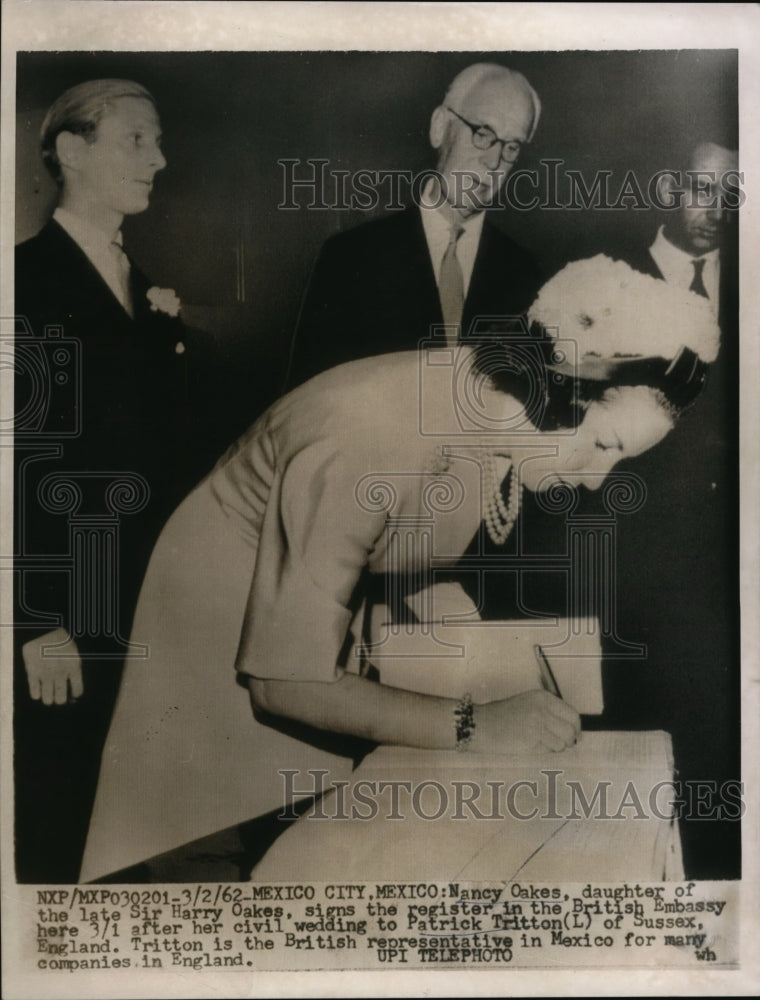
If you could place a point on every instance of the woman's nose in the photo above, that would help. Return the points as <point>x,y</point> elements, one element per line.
<point>609,459</point>
<point>592,470</point>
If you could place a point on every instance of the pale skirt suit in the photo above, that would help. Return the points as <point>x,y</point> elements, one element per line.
<point>368,469</point>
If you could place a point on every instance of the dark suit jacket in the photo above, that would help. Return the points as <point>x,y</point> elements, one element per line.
<point>125,387</point>
<point>104,395</point>
<point>373,291</point>
<point>677,589</point>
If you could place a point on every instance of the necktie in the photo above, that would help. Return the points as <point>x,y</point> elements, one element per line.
<point>697,284</point>
<point>452,287</point>
<point>122,272</point>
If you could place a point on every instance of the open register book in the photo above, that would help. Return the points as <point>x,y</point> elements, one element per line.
<point>600,811</point>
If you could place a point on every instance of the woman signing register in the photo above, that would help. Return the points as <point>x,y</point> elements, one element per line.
<point>261,581</point>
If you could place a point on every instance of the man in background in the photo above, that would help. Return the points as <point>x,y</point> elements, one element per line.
<point>383,286</point>
<point>687,249</point>
<point>688,683</point>
<point>105,437</point>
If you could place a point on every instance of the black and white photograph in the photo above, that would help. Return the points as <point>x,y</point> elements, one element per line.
<point>379,540</point>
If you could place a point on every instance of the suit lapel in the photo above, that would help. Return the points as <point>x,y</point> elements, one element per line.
<point>82,280</point>
<point>145,341</point>
<point>503,283</point>
<point>138,286</point>
<point>164,332</point>
<point>643,261</point>
<point>419,268</point>
<point>485,278</point>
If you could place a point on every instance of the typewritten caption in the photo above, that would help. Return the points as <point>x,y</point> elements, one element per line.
<point>379,925</point>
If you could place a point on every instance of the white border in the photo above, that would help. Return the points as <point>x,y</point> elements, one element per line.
<point>178,26</point>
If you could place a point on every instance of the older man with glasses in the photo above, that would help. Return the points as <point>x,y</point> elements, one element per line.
<point>389,284</point>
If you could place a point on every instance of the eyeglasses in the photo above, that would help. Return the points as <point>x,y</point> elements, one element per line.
<point>484,137</point>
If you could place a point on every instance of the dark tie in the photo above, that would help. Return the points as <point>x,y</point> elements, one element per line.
<point>697,285</point>
<point>452,287</point>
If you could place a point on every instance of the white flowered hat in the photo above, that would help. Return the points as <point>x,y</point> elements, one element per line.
<point>612,312</point>
<point>598,325</point>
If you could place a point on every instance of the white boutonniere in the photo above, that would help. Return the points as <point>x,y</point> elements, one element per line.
<point>164,300</point>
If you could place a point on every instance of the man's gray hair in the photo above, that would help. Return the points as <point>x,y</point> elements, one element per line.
<point>473,76</point>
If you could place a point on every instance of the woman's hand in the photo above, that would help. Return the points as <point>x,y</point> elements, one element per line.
<point>533,720</point>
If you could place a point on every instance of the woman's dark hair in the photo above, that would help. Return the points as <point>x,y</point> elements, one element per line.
<point>532,367</point>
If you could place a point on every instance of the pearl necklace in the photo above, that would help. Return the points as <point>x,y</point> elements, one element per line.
<point>499,517</point>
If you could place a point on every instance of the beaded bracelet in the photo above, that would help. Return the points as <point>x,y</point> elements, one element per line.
<point>464,722</point>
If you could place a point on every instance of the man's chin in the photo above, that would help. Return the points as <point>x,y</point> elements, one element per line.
<point>136,206</point>
<point>474,204</point>
<point>704,242</point>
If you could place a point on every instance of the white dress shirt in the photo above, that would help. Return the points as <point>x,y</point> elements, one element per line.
<point>100,252</point>
<point>677,266</point>
<point>437,228</point>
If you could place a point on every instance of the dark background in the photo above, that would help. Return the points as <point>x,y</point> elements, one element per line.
<point>229,117</point>
<point>214,220</point>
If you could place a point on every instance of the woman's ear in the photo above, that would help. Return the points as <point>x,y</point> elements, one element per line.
<point>438,125</point>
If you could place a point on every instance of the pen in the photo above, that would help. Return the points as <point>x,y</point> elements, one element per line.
<point>547,675</point>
